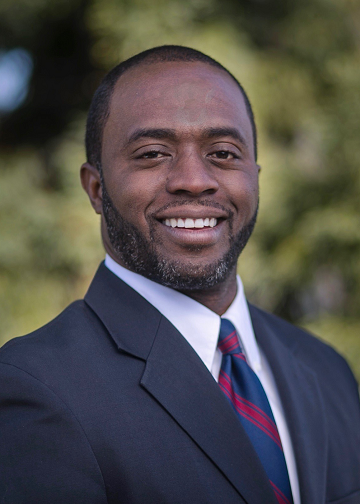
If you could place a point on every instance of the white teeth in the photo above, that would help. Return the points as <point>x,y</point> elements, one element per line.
<point>191,223</point>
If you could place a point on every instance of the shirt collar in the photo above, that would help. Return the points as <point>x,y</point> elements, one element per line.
<point>199,325</point>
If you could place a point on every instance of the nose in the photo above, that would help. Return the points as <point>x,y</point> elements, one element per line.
<point>191,175</point>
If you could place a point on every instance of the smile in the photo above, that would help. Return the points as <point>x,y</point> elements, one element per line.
<point>189,223</point>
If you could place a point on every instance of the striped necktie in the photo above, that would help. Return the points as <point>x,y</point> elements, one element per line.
<point>243,389</point>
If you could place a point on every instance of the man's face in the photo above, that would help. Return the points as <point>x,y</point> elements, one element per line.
<point>180,182</point>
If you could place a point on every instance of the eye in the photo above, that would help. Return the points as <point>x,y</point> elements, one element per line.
<point>153,154</point>
<point>223,154</point>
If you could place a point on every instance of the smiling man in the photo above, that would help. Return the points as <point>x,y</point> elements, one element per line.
<point>177,180</point>
<point>163,385</point>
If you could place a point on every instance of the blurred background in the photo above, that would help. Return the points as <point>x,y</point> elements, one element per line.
<point>299,61</point>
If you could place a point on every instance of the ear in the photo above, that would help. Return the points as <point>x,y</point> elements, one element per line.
<point>90,180</point>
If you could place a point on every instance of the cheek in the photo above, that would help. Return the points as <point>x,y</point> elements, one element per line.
<point>244,193</point>
<point>135,194</point>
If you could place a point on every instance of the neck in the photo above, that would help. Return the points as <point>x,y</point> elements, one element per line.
<point>217,298</point>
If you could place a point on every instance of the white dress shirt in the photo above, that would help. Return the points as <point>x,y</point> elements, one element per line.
<point>200,327</point>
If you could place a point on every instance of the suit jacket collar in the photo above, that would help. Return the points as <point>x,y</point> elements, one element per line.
<point>177,379</point>
<point>131,321</point>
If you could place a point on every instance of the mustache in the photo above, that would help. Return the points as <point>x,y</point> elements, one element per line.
<point>202,202</point>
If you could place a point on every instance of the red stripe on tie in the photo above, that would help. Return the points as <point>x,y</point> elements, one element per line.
<point>251,409</point>
<point>220,343</point>
<point>227,337</point>
<point>249,412</point>
<point>241,356</point>
<point>282,499</point>
<point>245,415</point>
<point>252,405</point>
<point>234,346</point>
<point>242,413</point>
<point>225,340</point>
<point>230,344</point>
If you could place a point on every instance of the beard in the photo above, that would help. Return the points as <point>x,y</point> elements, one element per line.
<point>139,254</point>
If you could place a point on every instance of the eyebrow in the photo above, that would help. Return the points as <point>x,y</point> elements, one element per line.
<point>170,134</point>
<point>157,133</point>
<point>225,132</point>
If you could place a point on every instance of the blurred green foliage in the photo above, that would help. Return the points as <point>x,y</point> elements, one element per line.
<point>300,63</point>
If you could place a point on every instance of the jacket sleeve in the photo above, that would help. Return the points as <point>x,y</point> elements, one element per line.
<point>45,456</point>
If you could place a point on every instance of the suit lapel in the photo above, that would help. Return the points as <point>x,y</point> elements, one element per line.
<point>176,377</point>
<point>304,410</point>
<point>179,381</point>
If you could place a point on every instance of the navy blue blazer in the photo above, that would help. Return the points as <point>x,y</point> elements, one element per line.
<point>108,403</point>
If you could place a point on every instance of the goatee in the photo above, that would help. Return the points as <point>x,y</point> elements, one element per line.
<point>139,254</point>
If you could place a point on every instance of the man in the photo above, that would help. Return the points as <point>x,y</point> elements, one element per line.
<point>117,400</point>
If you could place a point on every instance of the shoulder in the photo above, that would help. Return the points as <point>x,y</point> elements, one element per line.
<point>70,333</point>
<point>38,420</point>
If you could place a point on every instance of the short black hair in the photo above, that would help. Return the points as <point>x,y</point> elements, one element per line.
<point>100,104</point>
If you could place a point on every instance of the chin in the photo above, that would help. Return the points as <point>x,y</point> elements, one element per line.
<point>190,277</point>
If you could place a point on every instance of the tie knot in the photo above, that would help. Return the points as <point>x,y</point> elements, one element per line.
<point>228,338</point>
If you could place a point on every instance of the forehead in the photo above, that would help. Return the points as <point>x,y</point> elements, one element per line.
<point>186,97</point>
